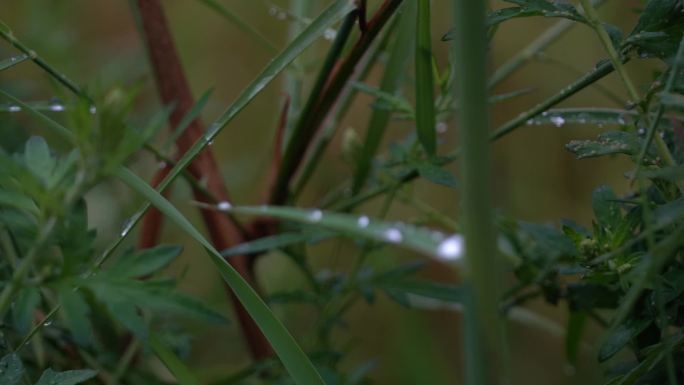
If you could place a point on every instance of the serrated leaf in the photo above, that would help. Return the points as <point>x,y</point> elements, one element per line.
<point>437,175</point>
<point>38,159</point>
<point>659,29</point>
<point>606,208</point>
<point>23,308</point>
<point>70,377</point>
<point>621,336</point>
<point>75,311</point>
<point>608,143</point>
<point>145,262</point>
<point>11,370</point>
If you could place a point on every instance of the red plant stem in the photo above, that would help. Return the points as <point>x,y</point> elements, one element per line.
<point>173,89</point>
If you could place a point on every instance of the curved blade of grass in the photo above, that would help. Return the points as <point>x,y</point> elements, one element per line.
<point>277,241</point>
<point>422,240</point>
<point>58,128</point>
<point>294,359</point>
<point>182,373</point>
<point>11,62</point>
<point>194,112</point>
<point>425,103</point>
<point>389,85</point>
<point>237,21</point>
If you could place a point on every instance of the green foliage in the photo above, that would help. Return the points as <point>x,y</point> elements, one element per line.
<point>77,302</point>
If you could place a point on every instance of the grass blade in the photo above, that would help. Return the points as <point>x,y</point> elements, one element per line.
<point>425,104</point>
<point>182,373</point>
<point>390,84</point>
<point>422,240</point>
<point>294,359</point>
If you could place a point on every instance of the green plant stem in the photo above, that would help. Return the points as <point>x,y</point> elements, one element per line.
<point>6,34</point>
<point>483,324</point>
<point>595,22</point>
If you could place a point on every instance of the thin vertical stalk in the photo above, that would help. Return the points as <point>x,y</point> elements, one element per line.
<point>425,103</point>
<point>483,326</point>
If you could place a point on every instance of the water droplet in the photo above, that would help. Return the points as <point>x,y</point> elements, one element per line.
<point>329,34</point>
<point>545,113</point>
<point>92,109</point>
<point>210,143</point>
<point>558,121</point>
<point>13,108</point>
<point>530,122</point>
<point>56,106</point>
<point>641,131</point>
<point>451,249</point>
<point>162,165</point>
<point>393,235</point>
<point>47,323</point>
<point>363,221</point>
<point>224,206</point>
<point>315,215</point>
<point>441,127</point>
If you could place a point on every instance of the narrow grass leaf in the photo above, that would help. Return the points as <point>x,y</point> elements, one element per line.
<point>422,240</point>
<point>294,359</point>
<point>425,104</point>
<point>275,242</point>
<point>189,117</point>
<point>175,365</point>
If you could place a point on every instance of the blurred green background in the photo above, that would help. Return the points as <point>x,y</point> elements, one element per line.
<point>96,43</point>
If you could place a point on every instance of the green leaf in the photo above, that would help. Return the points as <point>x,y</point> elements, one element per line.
<point>606,207</point>
<point>275,242</point>
<point>428,289</point>
<point>70,377</point>
<point>22,311</point>
<point>659,29</point>
<point>145,262</point>
<point>425,104</point>
<point>609,143</point>
<point>175,365</point>
<point>11,370</point>
<point>295,361</point>
<point>437,175</point>
<point>75,311</point>
<point>528,8</point>
<point>193,114</point>
<point>38,159</point>
<point>621,336</point>
<point>598,116</point>
<point>11,62</point>
<point>390,85</point>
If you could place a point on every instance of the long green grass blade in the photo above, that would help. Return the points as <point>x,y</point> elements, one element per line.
<point>294,359</point>
<point>390,84</point>
<point>238,22</point>
<point>317,27</point>
<point>425,103</point>
<point>179,370</point>
<point>422,240</point>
